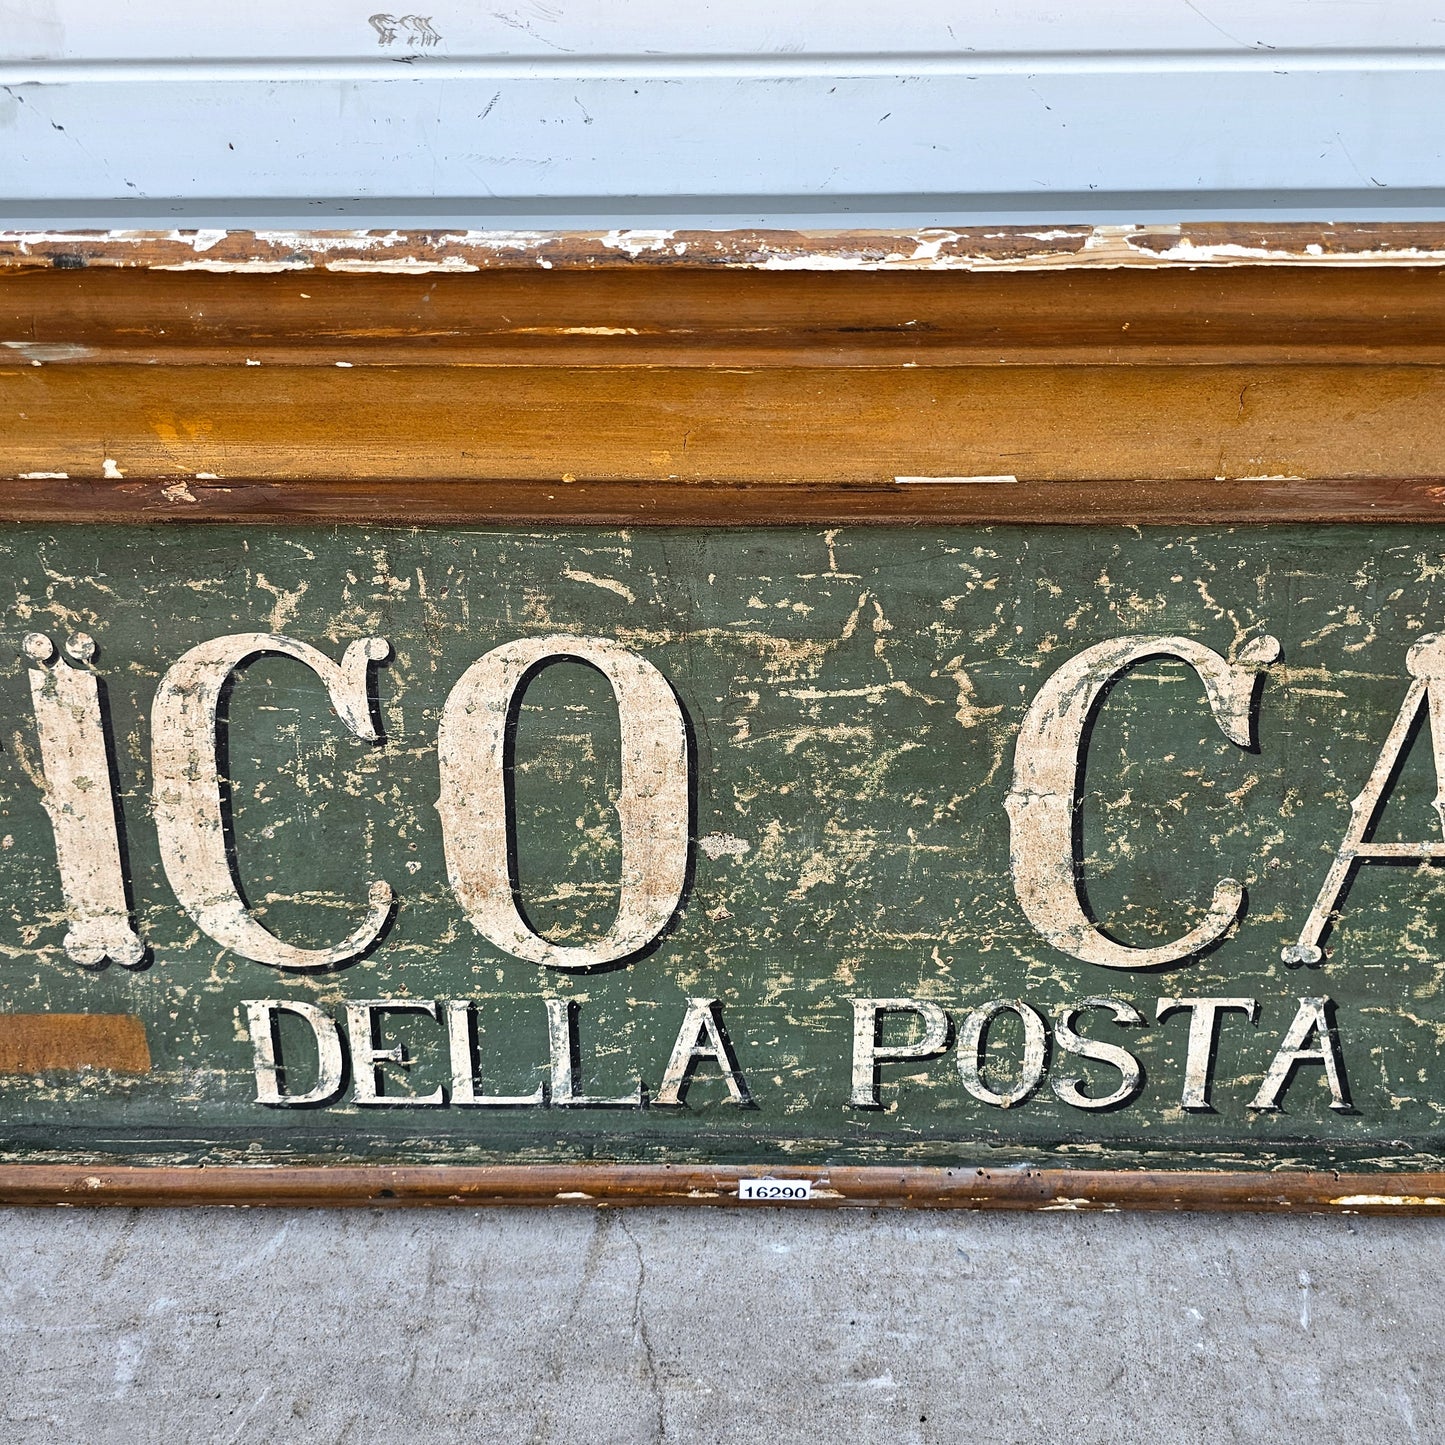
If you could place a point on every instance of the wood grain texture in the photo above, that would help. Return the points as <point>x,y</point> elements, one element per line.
<point>447,502</point>
<point>684,426</point>
<point>612,1185</point>
<point>701,317</point>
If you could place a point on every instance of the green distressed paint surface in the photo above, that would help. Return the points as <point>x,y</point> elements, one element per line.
<point>853,699</point>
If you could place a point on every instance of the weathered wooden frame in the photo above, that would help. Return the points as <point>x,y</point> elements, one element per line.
<point>793,379</point>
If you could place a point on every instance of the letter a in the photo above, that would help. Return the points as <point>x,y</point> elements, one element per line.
<point>1425,662</point>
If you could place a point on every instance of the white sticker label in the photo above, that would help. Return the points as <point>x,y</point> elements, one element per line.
<point>784,1190</point>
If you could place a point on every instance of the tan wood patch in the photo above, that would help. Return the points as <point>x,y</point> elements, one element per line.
<point>40,1043</point>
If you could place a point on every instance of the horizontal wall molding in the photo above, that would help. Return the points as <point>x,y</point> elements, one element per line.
<point>653,32</point>
<point>359,306</point>
<point>1186,247</point>
<point>687,425</point>
<point>987,502</point>
<point>803,144</point>
<point>720,216</point>
<point>416,65</point>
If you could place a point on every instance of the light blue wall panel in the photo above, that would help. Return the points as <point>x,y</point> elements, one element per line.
<point>582,113</point>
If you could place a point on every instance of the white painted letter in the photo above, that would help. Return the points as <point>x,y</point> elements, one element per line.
<point>702,1019</point>
<point>1313,1017</point>
<point>652,810</point>
<point>973,1045</point>
<point>1070,1042</point>
<point>80,799</point>
<point>566,1052</point>
<point>367,1057</point>
<point>261,1016</point>
<point>1203,1036</point>
<point>1425,662</point>
<point>189,816</point>
<point>1042,802</point>
<point>868,1053</point>
<point>460,1032</point>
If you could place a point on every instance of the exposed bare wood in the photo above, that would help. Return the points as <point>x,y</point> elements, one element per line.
<point>687,373</point>
<point>700,317</point>
<point>37,1043</point>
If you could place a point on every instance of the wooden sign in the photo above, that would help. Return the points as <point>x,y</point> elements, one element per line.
<point>964,861</point>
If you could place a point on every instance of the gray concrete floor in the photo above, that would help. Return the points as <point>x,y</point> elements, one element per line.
<point>705,1325</point>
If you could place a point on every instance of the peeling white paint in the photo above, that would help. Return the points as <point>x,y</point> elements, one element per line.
<point>927,250</point>
<point>397,252</point>
<point>403,266</point>
<point>576,331</point>
<point>201,240</point>
<point>1411,1201</point>
<point>50,350</point>
<point>638,243</point>
<point>219,267</point>
<point>827,261</point>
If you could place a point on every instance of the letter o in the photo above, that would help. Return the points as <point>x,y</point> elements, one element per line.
<point>973,1043</point>
<point>653,807</point>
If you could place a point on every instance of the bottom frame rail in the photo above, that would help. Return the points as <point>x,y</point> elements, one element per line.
<point>610,1185</point>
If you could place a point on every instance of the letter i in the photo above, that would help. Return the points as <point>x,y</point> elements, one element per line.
<point>80,798</point>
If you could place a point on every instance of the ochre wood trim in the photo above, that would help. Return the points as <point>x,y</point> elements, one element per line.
<point>623,504</point>
<point>675,427</point>
<point>606,1185</point>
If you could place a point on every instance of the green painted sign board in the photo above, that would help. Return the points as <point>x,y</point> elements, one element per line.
<point>886,845</point>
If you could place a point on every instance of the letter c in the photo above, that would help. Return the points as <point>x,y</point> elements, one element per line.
<point>190,820</point>
<point>1043,797</point>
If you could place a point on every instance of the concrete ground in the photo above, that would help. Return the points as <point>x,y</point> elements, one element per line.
<point>710,1325</point>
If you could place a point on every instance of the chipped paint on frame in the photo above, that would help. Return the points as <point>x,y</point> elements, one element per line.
<point>982,249</point>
